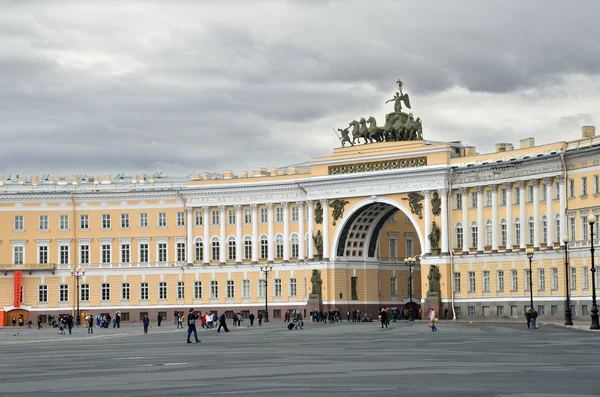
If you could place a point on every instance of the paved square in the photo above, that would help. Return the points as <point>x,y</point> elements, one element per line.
<point>349,359</point>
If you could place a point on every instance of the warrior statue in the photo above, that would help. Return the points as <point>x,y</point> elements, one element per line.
<point>345,136</point>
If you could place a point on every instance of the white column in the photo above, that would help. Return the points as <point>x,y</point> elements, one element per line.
<point>536,214</point>
<point>255,242</point>
<point>523,214</point>
<point>190,236</point>
<point>494,189</point>
<point>301,247</point>
<point>239,244</point>
<point>549,216</point>
<point>563,208</point>
<point>271,243</point>
<point>286,232</point>
<point>509,217</point>
<point>427,217</point>
<point>223,236</point>
<point>311,229</point>
<point>445,234</point>
<point>206,243</point>
<point>325,204</point>
<point>465,218</point>
<point>480,224</point>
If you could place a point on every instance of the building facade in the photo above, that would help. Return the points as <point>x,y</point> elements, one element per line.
<point>153,245</point>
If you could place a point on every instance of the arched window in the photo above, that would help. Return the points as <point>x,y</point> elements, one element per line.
<point>214,242</point>
<point>199,249</point>
<point>279,246</point>
<point>231,248</point>
<point>517,231</point>
<point>488,233</point>
<point>264,247</point>
<point>459,235</point>
<point>474,234</point>
<point>248,247</point>
<point>531,225</point>
<point>544,228</point>
<point>294,241</point>
<point>503,232</point>
<point>557,223</point>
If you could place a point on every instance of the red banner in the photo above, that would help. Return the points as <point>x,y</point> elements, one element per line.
<point>18,284</point>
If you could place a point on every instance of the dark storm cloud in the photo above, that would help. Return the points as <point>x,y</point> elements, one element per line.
<point>198,86</point>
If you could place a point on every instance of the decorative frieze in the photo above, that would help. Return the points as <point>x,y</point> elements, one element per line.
<point>382,165</point>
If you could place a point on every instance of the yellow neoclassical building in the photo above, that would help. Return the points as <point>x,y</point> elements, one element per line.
<point>342,223</point>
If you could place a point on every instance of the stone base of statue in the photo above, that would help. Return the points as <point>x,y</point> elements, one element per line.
<point>435,252</point>
<point>318,258</point>
<point>314,302</point>
<point>433,301</point>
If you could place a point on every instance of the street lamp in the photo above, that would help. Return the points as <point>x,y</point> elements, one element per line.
<point>568,319</point>
<point>595,325</point>
<point>530,257</point>
<point>266,268</point>
<point>410,262</point>
<point>77,273</point>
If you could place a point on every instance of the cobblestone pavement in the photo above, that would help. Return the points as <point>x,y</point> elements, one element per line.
<point>349,359</point>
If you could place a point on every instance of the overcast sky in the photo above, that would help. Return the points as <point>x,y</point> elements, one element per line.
<point>206,86</point>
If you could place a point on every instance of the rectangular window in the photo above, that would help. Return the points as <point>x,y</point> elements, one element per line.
<point>84,222</point>
<point>180,219</point>
<point>214,289</point>
<point>162,219</point>
<point>64,254</point>
<point>554,278</point>
<point>198,218</point>
<point>105,253</point>
<point>500,281</point>
<point>573,278</point>
<point>541,280</point>
<point>231,217</point>
<point>473,199</point>
<point>596,184</point>
<point>557,191</point>
<point>456,281</point>
<point>42,293</point>
<point>500,311</point>
<point>247,249</point>
<point>353,288</point>
<point>247,217</point>
<point>125,291</point>
<point>19,223</point>
<point>63,293</point>
<point>554,310</point>
<point>261,288</point>
<point>84,254</point>
<point>503,196</point>
<point>544,198</point>
<point>18,255</point>
<point>230,289</point>
<point>84,292</point>
<point>393,247</point>
<point>197,289</point>
<point>143,220</point>
<point>486,281</point>
<point>144,253</point>
<point>181,252</point>
<point>488,198</point>
<point>125,253</point>
<point>527,279</point>
<point>571,188</point>
<point>410,246</point>
<point>585,280</point>
<point>124,221</point>
<point>471,281</point>
<point>277,288</point>
<point>105,292</point>
<point>458,201</point>
<point>43,254</point>
<point>105,221</point>
<point>294,214</point>
<point>162,290</point>
<point>278,214</point>
<point>292,287</point>
<point>517,195</point>
<point>43,226</point>
<point>584,186</point>
<point>530,193</point>
<point>584,228</point>
<point>263,215</point>
<point>584,310</point>
<point>144,291</point>
<point>162,252</point>
<point>471,311</point>
<point>215,217</point>
<point>180,290</point>
<point>245,288</point>
<point>231,249</point>
<point>572,229</point>
<point>394,286</point>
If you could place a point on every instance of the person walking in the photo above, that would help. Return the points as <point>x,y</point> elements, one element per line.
<point>176,317</point>
<point>528,318</point>
<point>251,318</point>
<point>159,319</point>
<point>146,323</point>
<point>39,322</point>
<point>445,313</point>
<point>117,320</point>
<point>180,321</point>
<point>90,322</point>
<point>260,316</point>
<point>384,318</point>
<point>299,323</point>
<point>222,323</point>
<point>69,323</point>
<point>191,322</point>
<point>432,320</point>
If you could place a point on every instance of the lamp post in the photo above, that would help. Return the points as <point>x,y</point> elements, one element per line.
<point>530,257</point>
<point>266,268</point>
<point>595,325</point>
<point>568,319</point>
<point>410,262</point>
<point>77,274</point>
